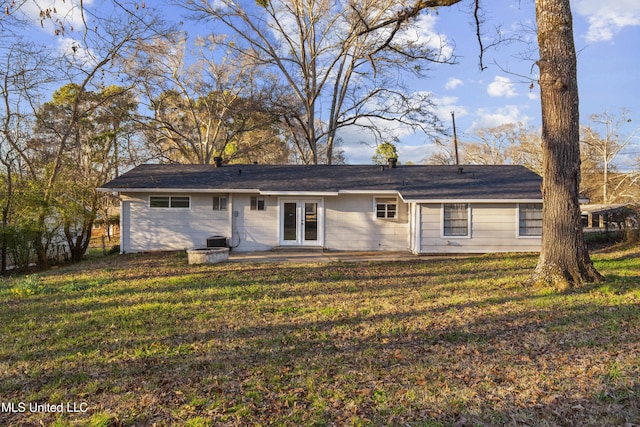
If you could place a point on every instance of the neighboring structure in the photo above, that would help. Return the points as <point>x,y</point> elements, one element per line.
<point>422,209</point>
<point>607,217</point>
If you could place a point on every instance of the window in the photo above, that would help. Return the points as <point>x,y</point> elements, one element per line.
<point>456,220</point>
<point>159,201</point>
<point>220,203</point>
<point>178,202</point>
<point>386,208</point>
<point>530,219</point>
<point>257,203</point>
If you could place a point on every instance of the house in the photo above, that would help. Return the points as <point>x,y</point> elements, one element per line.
<point>421,209</point>
<point>607,217</point>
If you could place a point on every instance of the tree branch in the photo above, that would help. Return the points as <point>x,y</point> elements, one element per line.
<point>408,13</point>
<point>476,16</point>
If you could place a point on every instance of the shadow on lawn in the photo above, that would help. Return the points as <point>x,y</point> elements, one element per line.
<point>257,369</point>
<point>250,372</point>
<point>447,362</point>
<point>84,294</point>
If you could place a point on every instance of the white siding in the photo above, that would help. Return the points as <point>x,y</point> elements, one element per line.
<point>125,225</point>
<point>414,228</point>
<point>494,228</point>
<point>160,229</point>
<point>255,230</point>
<point>350,224</point>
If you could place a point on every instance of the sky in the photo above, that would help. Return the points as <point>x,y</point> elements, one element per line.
<point>606,35</point>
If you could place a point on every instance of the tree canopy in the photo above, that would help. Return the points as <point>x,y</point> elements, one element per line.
<point>273,81</point>
<point>340,60</point>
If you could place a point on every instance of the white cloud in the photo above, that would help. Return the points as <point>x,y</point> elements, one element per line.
<point>65,12</point>
<point>453,83</point>
<point>607,18</point>
<point>358,153</point>
<point>416,153</point>
<point>488,118</point>
<point>501,86</point>
<point>445,105</point>
<point>424,32</point>
<point>74,52</point>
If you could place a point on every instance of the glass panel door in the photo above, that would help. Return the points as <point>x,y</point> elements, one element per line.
<point>290,221</point>
<point>301,222</point>
<point>310,221</point>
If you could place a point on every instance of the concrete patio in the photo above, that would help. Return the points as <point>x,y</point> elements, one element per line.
<point>304,256</point>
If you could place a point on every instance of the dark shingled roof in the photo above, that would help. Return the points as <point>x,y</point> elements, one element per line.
<point>412,182</point>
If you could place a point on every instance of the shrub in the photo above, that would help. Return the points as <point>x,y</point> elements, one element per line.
<point>19,245</point>
<point>29,285</point>
<point>596,238</point>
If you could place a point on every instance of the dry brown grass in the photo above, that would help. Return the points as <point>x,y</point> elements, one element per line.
<point>147,339</point>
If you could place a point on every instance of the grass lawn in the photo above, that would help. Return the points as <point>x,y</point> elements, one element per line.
<point>140,340</point>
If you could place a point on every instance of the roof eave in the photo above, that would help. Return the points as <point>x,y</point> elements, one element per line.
<point>178,190</point>
<point>471,200</point>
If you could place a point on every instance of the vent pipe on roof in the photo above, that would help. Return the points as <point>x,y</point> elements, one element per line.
<point>218,161</point>
<point>393,161</point>
<point>460,170</point>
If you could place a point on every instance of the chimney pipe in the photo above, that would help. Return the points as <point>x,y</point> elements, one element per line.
<point>393,162</point>
<point>218,161</point>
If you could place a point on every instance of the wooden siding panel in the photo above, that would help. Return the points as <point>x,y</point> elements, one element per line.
<point>350,224</point>
<point>161,229</point>
<point>493,229</point>
<point>257,230</point>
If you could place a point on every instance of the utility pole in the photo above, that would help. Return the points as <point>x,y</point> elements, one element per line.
<point>455,137</point>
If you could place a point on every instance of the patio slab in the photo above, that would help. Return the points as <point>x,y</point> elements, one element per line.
<point>318,256</point>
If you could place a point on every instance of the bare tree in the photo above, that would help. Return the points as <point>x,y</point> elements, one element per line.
<point>205,108</point>
<point>24,71</point>
<point>607,145</point>
<point>491,145</point>
<point>93,52</point>
<point>341,59</point>
<point>528,149</point>
<point>564,259</point>
<point>510,143</point>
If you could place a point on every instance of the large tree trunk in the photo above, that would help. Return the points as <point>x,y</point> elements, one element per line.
<point>564,259</point>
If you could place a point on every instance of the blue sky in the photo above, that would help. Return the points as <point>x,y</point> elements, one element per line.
<point>606,35</point>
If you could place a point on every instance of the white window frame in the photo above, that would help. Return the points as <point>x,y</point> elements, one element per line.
<point>527,236</point>
<point>256,206</point>
<point>386,201</point>
<point>170,199</point>
<point>443,219</point>
<point>222,207</point>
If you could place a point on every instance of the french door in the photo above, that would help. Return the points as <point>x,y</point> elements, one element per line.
<point>301,222</point>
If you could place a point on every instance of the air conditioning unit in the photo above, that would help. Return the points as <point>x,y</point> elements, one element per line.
<point>217,242</point>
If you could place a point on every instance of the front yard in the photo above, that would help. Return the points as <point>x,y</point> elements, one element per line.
<point>147,339</point>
